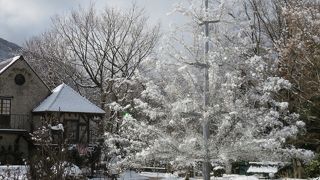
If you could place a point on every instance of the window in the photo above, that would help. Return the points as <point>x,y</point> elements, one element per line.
<point>72,129</point>
<point>5,111</point>
<point>5,106</point>
<point>19,79</point>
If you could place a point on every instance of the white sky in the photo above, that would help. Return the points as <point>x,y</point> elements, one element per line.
<point>22,19</point>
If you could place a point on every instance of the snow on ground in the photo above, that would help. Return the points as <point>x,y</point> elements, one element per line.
<point>69,169</point>
<point>230,177</point>
<point>72,170</point>
<point>20,172</point>
<point>235,177</point>
<point>155,175</point>
<point>131,175</point>
<point>14,172</point>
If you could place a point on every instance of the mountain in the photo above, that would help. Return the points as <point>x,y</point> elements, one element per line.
<point>8,49</point>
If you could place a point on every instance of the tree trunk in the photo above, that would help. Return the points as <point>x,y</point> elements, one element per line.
<point>228,167</point>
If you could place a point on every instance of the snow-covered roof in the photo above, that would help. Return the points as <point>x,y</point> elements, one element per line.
<point>217,168</point>
<point>65,99</point>
<point>262,169</point>
<point>7,63</point>
<point>271,163</point>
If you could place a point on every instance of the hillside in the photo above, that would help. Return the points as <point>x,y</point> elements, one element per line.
<point>7,49</point>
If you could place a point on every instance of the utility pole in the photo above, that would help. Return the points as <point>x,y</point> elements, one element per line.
<point>205,128</point>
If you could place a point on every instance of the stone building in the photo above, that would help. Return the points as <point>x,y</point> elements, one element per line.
<point>26,103</point>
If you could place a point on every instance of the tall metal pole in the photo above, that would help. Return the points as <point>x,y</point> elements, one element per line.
<point>205,128</point>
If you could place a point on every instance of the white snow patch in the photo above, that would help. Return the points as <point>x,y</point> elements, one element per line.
<point>17,172</point>
<point>217,168</point>
<point>69,169</point>
<point>73,170</point>
<point>262,169</point>
<point>300,124</point>
<point>57,127</point>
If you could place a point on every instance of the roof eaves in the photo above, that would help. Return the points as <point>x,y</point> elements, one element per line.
<point>53,111</point>
<point>13,60</point>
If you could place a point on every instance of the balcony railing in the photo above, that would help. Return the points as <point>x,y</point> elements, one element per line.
<point>15,121</point>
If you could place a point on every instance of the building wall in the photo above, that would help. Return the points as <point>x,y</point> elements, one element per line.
<point>76,121</point>
<point>24,97</point>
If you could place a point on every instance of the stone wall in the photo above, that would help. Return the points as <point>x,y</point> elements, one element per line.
<point>24,97</point>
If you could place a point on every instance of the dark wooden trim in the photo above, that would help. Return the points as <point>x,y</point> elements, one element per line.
<point>6,97</point>
<point>87,118</point>
<point>80,113</point>
<point>88,131</point>
<point>14,131</point>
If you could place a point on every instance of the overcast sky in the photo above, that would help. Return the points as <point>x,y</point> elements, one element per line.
<point>22,19</point>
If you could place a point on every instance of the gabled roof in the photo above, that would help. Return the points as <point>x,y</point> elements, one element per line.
<point>4,65</point>
<point>65,99</point>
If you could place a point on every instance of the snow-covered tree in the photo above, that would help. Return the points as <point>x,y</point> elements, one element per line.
<point>96,50</point>
<point>99,52</point>
<point>299,57</point>
<point>246,120</point>
<point>135,128</point>
<point>293,26</point>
